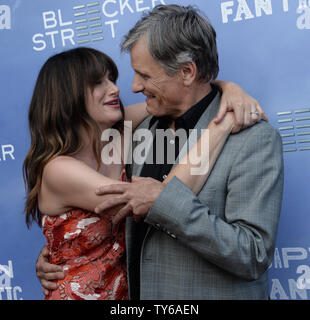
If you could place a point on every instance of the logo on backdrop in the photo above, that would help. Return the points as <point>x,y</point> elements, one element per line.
<point>294,127</point>
<point>5,17</point>
<point>87,23</point>
<point>297,259</point>
<point>7,291</point>
<point>6,152</point>
<point>239,10</point>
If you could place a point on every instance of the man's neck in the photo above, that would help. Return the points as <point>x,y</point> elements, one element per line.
<point>197,93</point>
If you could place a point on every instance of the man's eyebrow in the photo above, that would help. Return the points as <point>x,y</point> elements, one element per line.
<point>140,73</point>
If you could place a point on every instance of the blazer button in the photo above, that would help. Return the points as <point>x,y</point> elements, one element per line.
<point>157,226</point>
<point>173,235</point>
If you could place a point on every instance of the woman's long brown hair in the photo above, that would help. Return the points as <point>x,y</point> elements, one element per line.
<point>57,112</point>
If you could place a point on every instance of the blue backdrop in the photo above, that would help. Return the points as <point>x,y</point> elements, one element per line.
<point>263,46</point>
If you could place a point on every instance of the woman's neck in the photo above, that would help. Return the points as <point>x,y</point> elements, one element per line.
<point>87,155</point>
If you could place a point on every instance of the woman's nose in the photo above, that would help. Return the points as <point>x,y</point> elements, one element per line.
<point>114,89</point>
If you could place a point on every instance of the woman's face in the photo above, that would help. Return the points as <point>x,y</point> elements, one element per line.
<point>103,104</point>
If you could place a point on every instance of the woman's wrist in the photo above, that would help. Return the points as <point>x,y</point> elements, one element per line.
<point>226,125</point>
<point>221,84</point>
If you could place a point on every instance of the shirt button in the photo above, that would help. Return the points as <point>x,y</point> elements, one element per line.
<point>173,235</point>
<point>171,141</point>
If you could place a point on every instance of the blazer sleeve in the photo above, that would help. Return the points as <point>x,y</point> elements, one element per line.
<point>242,241</point>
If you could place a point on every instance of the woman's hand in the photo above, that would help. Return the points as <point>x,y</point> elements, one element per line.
<point>247,110</point>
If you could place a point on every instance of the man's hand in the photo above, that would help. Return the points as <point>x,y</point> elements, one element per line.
<point>246,109</point>
<point>47,272</point>
<point>137,196</point>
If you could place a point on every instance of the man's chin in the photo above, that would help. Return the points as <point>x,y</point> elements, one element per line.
<point>149,109</point>
<point>153,111</point>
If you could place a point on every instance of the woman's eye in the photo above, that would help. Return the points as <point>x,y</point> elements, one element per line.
<point>112,79</point>
<point>99,82</point>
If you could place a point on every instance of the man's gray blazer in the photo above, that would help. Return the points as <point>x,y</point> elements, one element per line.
<point>218,244</point>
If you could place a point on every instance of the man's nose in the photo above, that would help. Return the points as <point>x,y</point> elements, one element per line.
<point>137,84</point>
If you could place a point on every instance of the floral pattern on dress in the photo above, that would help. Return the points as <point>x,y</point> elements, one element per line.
<point>92,254</point>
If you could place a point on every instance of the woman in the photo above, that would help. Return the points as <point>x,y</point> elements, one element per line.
<point>74,100</point>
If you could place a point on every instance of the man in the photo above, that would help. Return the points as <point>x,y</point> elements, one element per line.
<point>218,244</point>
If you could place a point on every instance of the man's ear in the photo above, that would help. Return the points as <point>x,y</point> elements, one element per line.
<point>189,73</point>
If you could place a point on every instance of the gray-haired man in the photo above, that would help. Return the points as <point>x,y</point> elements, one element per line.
<point>218,244</point>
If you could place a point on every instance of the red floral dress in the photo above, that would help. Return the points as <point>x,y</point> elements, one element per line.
<point>92,254</point>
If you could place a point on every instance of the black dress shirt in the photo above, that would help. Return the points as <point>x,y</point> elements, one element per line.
<point>187,121</point>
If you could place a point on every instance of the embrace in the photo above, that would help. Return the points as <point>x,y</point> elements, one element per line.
<point>150,230</point>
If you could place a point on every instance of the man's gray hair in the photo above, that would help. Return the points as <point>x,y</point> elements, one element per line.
<point>177,35</point>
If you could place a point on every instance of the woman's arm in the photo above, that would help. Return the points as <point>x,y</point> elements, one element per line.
<point>140,195</point>
<point>69,183</point>
<point>216,134</point>
<point>136,113</point>
<point>234,98</point>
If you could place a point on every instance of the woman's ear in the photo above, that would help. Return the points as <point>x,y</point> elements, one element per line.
<point>189,73</point>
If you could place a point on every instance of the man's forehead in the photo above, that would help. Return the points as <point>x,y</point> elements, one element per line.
<point>141,58</point>
<point>139,47</point>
